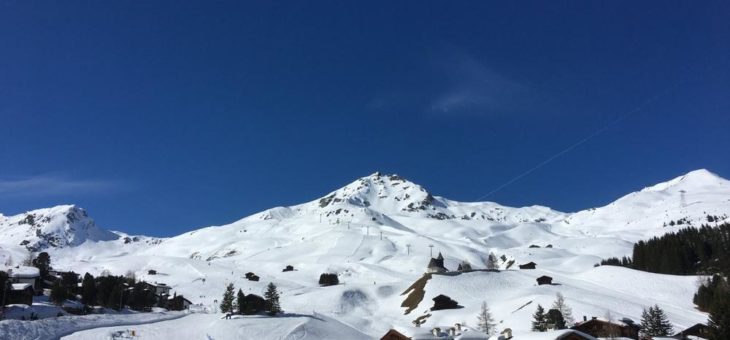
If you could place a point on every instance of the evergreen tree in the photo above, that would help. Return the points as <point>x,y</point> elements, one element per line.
<point>43,263</point>
<point>115,297</point>
<point>272,300</point>
<point>485,322</point>
<point>3,283</point>
<point>539,322</point>
<point>719,320</point>
<point>241,302</point>
<point>564,309</point>
<point>654,322</point>
<point>58,293</point>
<point>88,290</point>
<point>555,318</point>
<point>664,327</point>
<point>227,301</point>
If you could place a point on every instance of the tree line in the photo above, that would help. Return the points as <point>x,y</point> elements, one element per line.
<point>692,251</point>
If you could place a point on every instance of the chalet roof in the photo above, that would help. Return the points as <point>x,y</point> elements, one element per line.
<point>434,263</point>
<point>24,272</point>
<point>695,328</point>
<point>602,321</point>
<point>544,277</point>
<point>440,257</point>
<point>179,297</point>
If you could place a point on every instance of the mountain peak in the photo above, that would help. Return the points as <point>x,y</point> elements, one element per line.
<point>384,191</point>
<point>59,226</point>
<point>689,181</point>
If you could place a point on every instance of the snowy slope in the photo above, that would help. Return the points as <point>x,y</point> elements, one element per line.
<point>686,200</point>
<point>378,233</point>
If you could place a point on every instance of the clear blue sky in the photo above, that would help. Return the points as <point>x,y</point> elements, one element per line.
<point>160,117</point>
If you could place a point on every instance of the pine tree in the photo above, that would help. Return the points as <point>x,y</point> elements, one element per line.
<point>88,290</point>
<point>564,309</point>
<point>555,318</point>
<point>115,297</point>
<point>539,323</point>
<point>663,326</point>
<point>43,263</point>
<point>646,322</point>
<point>241,302</point>
<point>227,301</point>
<point>719,320</point>
<point>654,322</point>
<point>485,322</point>
<point>58,293</point>
<point>272,300</point>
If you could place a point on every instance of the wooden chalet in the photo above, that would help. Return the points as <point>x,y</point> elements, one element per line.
<point>544,280</point>
<point>529,265</point>
<point>20,293</point>
<point>394,335</point>
<point>698,330</point>
<point>605,329</point>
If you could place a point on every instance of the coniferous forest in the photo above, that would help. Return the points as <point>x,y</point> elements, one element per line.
<point>689,251</point>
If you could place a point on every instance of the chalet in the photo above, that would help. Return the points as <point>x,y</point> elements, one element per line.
<point>569,334</point>
<point>29,275</point>
<point>544,280</point>
<point>436,265</point>
<point>162,289</point>
<point>151,272</point>
<point>456,332</point>
<point>178,302</point>
<point>394,335</point>
<point>288,268</point>
<point>529,265</point>
<point>254,304</point>
<point>605,329</point>
<point>698,330</point>
<point>444,302</point>
<point>20,293</point>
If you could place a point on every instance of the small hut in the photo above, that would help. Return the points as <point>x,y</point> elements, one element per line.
<point>544,280</point>
<point>529,265</point>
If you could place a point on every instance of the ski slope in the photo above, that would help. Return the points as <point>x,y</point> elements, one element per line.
<point>378,234</point>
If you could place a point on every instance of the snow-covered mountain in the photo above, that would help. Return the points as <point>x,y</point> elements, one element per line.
<point>379,232</point>
<point>684,201</point>
<point>61,226</point>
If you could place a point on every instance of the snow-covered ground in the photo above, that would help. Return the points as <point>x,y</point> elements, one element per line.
<point>378,234</point>
<point>55,328</point>
<point>212,326</point>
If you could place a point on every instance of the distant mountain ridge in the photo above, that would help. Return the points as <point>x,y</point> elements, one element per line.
<point>380,197</point>
<point>378,234</point>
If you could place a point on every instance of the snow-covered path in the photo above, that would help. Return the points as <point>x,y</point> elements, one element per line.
<point>212,326</point>
<point>56,328</point>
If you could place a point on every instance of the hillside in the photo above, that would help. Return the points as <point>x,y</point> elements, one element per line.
<point>378,233</point>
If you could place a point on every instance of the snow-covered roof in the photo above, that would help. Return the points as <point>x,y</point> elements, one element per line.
<point>21,286</point>
<point>425,333</point>
<point>549,335</point>
<point>24,272</point>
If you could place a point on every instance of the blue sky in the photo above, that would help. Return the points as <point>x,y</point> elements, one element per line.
<point>160,117</point>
